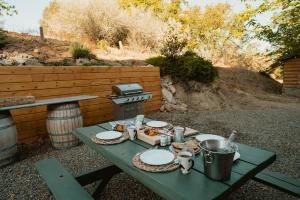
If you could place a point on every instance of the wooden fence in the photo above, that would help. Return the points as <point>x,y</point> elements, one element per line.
<point>291,77</point>
<point>52,82</point>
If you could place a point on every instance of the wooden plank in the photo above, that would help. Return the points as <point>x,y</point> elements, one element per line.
<point>291,86</point>
<point>25,111</point>
<point>292,80</point>
<point>30,117</point>
<point>254,155</point>
<point>173,185</point>
<point>280,176</point>
<point>291,70</point>
<point>31,139</point>
<point>279,181</point>
<point>71,69</point>
<point>15,78</point>
<point>62,184</point>
<point>116,75</point>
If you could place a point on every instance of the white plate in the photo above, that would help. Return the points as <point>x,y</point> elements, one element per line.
<point>157,157</point>
<point>204,137</point>
<point>109,135</point>
<point>157,124</point>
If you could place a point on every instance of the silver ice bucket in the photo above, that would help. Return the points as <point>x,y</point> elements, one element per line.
<point>217,158</point>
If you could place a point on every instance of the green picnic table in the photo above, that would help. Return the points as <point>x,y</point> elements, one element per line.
<point>174,185</point>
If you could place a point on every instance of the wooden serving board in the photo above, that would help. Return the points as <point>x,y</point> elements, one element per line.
<point>154,140</point>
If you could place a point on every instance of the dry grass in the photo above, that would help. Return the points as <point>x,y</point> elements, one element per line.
<point>94,20</point>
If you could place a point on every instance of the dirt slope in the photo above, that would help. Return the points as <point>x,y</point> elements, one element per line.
<point>236,89</point>
<point>56,52</point>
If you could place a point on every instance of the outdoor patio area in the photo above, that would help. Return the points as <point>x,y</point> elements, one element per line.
<point>256,128</point>
<point>149,100</point>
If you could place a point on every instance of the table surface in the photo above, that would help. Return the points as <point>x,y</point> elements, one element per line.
<point>174,185</point>
<point>50,102</point>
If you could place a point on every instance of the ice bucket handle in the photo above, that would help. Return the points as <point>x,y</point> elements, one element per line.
<point>208,158</point>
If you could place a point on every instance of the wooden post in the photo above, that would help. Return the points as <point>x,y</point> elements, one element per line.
<point>120,45</point>
<point>42,34</point>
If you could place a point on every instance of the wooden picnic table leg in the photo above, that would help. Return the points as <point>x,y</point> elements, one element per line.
<point>104,174</point>
<point>62,119</point>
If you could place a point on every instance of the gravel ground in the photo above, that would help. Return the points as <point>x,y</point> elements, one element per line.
<point>273,129</point>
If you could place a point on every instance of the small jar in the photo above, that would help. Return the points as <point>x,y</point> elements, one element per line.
<point>163,140</point>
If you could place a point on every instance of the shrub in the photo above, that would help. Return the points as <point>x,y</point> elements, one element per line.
<point>185,68</point>
<point>3,41</point>
<point>102,45</point>
<point>79,51</point>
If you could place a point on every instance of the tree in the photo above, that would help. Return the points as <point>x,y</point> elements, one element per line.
<point>6,8</point>
<point>284,30</point>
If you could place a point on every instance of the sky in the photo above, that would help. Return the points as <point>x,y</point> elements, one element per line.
<point>30,13</point>
<point>28,17</point>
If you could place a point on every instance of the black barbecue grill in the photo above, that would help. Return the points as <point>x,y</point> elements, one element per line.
<point>128,100</point>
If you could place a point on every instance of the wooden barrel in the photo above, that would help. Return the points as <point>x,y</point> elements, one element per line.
<point>62,120</point>
<point>8,139</point>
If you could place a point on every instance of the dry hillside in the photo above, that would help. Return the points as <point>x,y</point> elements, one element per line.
<point>236,89</point>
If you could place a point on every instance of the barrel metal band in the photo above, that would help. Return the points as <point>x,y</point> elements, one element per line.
<point>65,141</point>
<point>8,148</point>
<point>7,126</point>
<point>64,118</point>
<point>59,134</point>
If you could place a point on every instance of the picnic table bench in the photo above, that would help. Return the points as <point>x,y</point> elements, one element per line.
<point>175,185</point>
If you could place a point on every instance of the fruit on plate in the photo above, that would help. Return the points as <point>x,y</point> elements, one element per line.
<point>151,131</point>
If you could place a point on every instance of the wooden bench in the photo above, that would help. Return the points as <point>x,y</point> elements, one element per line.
<point>279,181</point>
<point>65,186</point>
<point>61,183</point>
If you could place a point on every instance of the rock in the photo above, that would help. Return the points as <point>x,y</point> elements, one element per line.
<point>172,89</point>
<point>6,62</point>
<point>83,61</point>
<point>32,61</point>
<point>184,105</point>
<point>168,107</point>
<point>174,101</point>
<point>167,95</point>
<point>178,107</point>
<point>36,51</point>
<point>21,58</point>
<point>162,108</point>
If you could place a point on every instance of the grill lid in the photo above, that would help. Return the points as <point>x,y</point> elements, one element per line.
<point>127,89</point>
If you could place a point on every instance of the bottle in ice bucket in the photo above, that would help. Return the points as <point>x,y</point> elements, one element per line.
<point>218,158</point>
